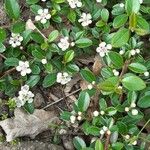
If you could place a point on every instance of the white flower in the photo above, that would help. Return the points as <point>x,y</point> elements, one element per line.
<point>146,74</point>
<point>121,52</point>
<point>64,43</point>
<point>72,44</point>
<point>116,73</point>
<point>105,128</point>
<point>15,39</point>
<point>23,68</point>
<point>137,51</point>
<point>121,5</point>
<point>133,105</point>
<point>63,78</point>
<point>43,16</point>
<point>103,49</point>
<point>30,25</point>
<point>127,137</point>
<point>120,87</point>
<point>44,61</point>
<point>134,143</point>
<point>102,132</point>
<point>72,119</point>
<point>95,113</point>
<point>43,0</point>
<point>79,118</point>
<point>74,3</point>
<point>141,1</point>
<point>62,131</point>
<point>132,52</point>
<point>98,1</point>
<point>79,113</point>
<point>134,112</point>
<point>102,112</point>
<point>85,19</point>
<point>127,109</point>
<point>24,96</point>
<point>90,86</point>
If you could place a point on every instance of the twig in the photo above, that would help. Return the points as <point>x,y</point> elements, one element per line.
<point>107,142</point>
<point>7,72</point>
<point>61,99</point>
<point>125,67</point>
<point>1,55</point>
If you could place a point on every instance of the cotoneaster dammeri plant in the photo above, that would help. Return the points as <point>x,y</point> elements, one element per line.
<point>115,32</point>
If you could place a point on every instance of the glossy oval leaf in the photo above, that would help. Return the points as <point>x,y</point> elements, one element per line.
<point>133,83</point>
<point>137,68</point>
<point>144,102</point>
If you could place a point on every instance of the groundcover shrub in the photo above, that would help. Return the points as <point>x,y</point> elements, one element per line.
<point>117,95</point>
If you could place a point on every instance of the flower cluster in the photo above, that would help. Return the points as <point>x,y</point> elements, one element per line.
<point>43,16</point>
<point>74,3</point>
<point>24,68</point>
<point>134,111</point>
<point>134,51</point>
<point>73,117</point>
<point>96,113</point>
<point>116,73</point>
<point>24,96</point>
<point>15,40</point>
<point>103,49</point>
<point>85,19</point>
<point>63,78</point>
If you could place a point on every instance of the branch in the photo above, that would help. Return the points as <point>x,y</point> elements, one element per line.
<point>61,99</point>
<point>7,72</point>
<point>107,142</point>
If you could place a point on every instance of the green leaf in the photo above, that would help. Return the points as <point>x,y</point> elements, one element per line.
<point>69,55</point>
<point>83,42</point>
<point>105,15</point>
<point>122,127</point>
<point>53,36</point>
<point>120,38</point>
<point>32,1</point>
<point>120,21</point>
<point>133,83</point>
<point>116,59</point>
<point>37,54</point>
<point>93,130</point>
<point>87,75</point>
<point>102,104</point>
<point>29,107</point>
<point>37,37</point>
<point>11,61</point>
<point>72,16</point>
<point>49,80</point>
<point>83,101</point>
<point>144,102</point>
<point>79,143</point>
<point>12,9</point>
<point>109,85</point>
<point>142,25</point>
<point>137,68</point>
<point>111,111</point>
<point>33,80</point>
<point>2,35</point>
<point>2,48</point>
<point>18,27</point>
<point>99,145</point>
<point>117,146</point>
<point>132,6</point>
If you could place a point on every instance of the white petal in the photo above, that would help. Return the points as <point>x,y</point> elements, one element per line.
<point>48,16</point>
<point>43,21</point>
<point>37,18</point>
<point>18,68</point>
<point>40,11</point>
<point>28,71</point>
<point>23,73</point>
